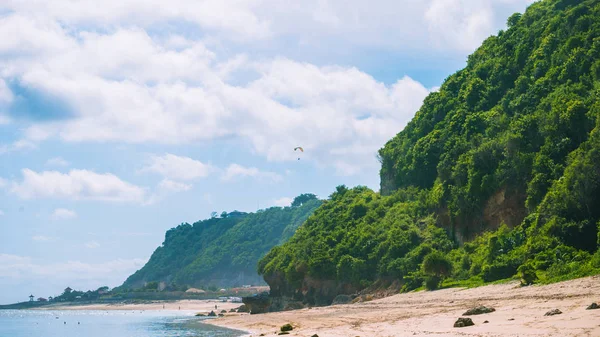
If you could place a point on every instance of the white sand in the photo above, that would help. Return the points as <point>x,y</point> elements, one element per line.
<point>433,313</point>
<point>200,306</point>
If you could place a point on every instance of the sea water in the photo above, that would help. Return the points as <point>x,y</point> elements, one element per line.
<point>113,323</point>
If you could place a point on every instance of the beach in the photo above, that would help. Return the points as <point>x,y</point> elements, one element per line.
<point>520,311</point>
<point>196,306</point>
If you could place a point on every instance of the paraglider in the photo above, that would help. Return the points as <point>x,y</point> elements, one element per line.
<point>298,148</point>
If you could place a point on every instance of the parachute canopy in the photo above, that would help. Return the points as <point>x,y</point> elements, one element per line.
<point>298,148</point>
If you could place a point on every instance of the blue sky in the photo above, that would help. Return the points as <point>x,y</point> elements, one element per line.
<point>120,121</point>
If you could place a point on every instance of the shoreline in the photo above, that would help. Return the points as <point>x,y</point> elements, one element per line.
<point>519,312</point>
<point>196,306</point>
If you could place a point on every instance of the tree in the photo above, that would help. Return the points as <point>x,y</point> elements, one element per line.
<point>437,266</point>
<point>213,214</point>
<point>302,199</point>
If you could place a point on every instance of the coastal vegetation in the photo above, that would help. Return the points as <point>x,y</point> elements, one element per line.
<point>497,176</point>
<point>221,251</point>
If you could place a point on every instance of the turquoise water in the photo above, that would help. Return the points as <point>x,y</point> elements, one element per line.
<point>36,323</point>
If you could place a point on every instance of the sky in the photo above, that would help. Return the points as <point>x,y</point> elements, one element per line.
<point>121,120</point>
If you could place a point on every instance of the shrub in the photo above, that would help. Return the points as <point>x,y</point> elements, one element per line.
<point>432,282</point>
<point>527,274</point>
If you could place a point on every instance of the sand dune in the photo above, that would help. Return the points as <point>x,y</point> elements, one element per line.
<point>519,312</point>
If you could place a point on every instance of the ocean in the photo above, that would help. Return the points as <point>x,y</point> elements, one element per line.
<point>115,323</point>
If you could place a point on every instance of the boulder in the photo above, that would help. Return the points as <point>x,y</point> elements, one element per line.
<point>212,314</point>
<point>463,322</point>
<point>258,303</point>
<point>593,306</point>
<point>242,308</point>
<point>223,311</point>
<point>553,312</point>
<point>221,315</point>
<point>342,299</point>
<point>478,311</point>
<point>287,327</point>
<point>200,315</point>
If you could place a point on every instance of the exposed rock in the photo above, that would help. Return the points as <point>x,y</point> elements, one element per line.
<point>231,310</point>
<point>293,305</point>
<point>342,299</point>
<point>223,311</point>
<point>511,319</point>
<point>479,310</point>
<point>287,327</point>
<point>315,335</point>
<point>463,322</point>
<point>284,333</point>
<point>258,303</point>
<point>242,308</point>
<point>200,315</point>
<point>485,322</point>
<point>593,306</point>
<point>212,314</point>
<point>221,315</point>
<point>553,312</point>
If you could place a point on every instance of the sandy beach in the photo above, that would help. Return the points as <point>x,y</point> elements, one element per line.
<point>519,312</point>
<point>197,306</point>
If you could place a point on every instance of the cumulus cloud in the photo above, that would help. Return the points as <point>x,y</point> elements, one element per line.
<point>283,202</point>
<point>129,85</point>
<point>57,161</point>
<point>235,171</point>
<point>76,185</point>
<point>173,186</point>
<point>63,214</point>
<point>176,167</point>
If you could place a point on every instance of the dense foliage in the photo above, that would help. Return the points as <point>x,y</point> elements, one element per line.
<point>505,158</point>
<point>221,251</point>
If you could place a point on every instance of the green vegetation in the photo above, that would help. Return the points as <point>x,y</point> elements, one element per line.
<point>220,251</point>
<point>498,173</point>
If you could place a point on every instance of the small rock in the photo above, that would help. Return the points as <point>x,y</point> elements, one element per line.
<point>223,311</point>
<point>315,335</point>
<point>212,314</point>
<point>287,327</point>
<point>511,319</point>
<point>221,315</point>
<point>553,312</point>
<point>463,322</point>
<point>478,311</point>
<point>593,306</point>
<point>284,333</point>
<point>485,322</point>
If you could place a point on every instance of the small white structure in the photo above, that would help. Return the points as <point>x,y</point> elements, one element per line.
<point>223,299</point>
<point>236,299</point>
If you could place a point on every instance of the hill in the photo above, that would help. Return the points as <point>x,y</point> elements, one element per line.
<point>221,251</point>
<point>497,175</point>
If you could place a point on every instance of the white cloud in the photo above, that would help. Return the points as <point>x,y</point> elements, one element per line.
<point>1,212</point>
<point>175,167</point>
<point>234,171</point>
<point>57,161</point>
<point>63,214</point>
<point>129,85</point>
<point>92,244</point>
<point>76,185</point>
<point>173,186</point>
<point>42,238</point>
<point>3,182</point>
<point>48,279</point>
<point>283,202</point>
